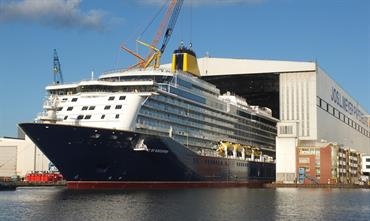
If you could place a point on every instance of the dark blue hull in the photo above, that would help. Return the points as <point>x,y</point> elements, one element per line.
<point>86,154</point>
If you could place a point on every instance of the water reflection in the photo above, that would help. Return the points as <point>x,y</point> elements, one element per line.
<point>186,204</point>
<point>322,204</point>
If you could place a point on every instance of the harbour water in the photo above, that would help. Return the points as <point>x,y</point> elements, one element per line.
<point>58,203</point>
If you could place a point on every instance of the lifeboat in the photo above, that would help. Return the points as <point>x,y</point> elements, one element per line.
<point>229,149</point>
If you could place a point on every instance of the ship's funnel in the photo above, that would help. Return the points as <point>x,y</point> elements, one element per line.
<point>184,59</point>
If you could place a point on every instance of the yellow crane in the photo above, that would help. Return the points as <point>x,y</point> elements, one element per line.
<point>154,54</point>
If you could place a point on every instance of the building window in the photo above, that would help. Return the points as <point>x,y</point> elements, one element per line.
<point>84,107</point>
<point>92,108</point>
<point>102,116</point>
<point>324,105</point>
<point>117,116</point>
<point>118,106</point>
<point>69,108</point>
<point>88,117</point>
<point>336,113</point>
<point>367,166</point>
<point>304,160</point>
<point>80,117</point>
<point>367,159</point>
<point>330,109</point>
<point>74,99</point>
<point>107,107</point>
<point>350,122</point>
<point>110,98</point>
<point>341,116</point>
<point>286,129</point>
<point>122,97</point>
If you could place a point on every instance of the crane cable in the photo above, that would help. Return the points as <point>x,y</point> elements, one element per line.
<point>156,15</point>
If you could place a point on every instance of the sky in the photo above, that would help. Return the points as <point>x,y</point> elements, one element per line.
<point>88,33</point>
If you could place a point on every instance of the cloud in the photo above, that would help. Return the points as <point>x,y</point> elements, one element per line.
<point>59,13</point>
<point>206,2</point>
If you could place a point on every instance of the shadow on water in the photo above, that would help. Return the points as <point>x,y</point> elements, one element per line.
<point>185,204</point>
<point>178,204</point>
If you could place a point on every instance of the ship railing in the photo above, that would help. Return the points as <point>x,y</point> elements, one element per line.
<point>122,70</point>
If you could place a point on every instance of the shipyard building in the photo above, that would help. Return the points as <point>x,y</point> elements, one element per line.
<point>19,156</point>
<point>314,112</point>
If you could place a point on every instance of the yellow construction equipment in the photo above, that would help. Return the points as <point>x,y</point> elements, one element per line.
<point>154,54</point>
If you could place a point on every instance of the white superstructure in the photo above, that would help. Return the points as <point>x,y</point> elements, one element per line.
<point>179,105</point>
<point>107,102</point>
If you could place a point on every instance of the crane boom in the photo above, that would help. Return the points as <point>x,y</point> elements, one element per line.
<point>58,77</point>
<point>171,24</point>
<point>169,21</point>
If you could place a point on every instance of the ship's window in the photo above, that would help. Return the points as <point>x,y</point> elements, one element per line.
<point>91,107</point>
<point>74,99</point>
<point>64,99</point>
<point>122,97</point>
<point>84,107</point>
<point>66,117</point>
<point>117,116</point>
<point>69,108</point>
<point>110,98</point>
<point>118,106</point>
<point>59,108</point>
<point>107,107</point>
<point>80,117</point>
<point>88,117</point>
<point>102,116</point>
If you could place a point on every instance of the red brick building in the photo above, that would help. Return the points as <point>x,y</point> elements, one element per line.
<point>328,164</point>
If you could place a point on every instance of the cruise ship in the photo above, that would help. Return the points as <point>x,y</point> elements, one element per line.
<point>154,128</point>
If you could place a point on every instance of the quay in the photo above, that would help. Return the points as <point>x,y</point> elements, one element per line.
<point>329,186</point>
